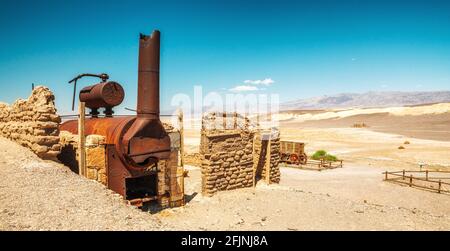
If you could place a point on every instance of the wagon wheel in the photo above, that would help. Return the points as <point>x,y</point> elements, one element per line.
<point>284,157</point>
<point>303,158</point>
<point>294,159</point>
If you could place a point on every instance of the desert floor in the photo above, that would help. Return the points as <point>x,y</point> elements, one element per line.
<point>36,194</point>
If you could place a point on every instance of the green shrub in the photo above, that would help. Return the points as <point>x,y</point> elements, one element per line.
<point>322,154</point>
<point>319,155</point>
<point>330,157</point>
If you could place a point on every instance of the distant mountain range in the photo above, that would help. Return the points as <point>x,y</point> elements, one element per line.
<point>368,99</point>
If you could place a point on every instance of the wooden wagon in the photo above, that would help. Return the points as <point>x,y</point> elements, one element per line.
<point>293,152</point>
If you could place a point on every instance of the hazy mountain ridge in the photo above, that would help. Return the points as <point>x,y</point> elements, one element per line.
<point>368,99</point>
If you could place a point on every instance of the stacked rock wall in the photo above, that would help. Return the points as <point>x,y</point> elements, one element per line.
<point>233,152</point>
<point>260,148</point>
<point>170,173</point>
<point>33,123</point>
<point>95,155</point>
<point>227,160</point>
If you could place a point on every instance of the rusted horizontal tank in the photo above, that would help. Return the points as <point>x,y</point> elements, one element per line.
<point>105,94</point>
<point>134,144</point>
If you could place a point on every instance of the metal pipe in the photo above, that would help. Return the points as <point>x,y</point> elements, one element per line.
<point>148,76</point>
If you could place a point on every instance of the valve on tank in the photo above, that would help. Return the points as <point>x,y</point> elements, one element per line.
<point>105,94</point>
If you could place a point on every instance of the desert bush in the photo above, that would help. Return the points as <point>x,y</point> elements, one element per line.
<point>322,154</point>
<point>406,143</point>
<point>401,147</point>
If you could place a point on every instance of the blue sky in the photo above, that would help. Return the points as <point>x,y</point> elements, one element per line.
<point>308,48</point>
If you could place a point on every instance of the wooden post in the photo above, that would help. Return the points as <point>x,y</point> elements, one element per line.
<point>426,175</point>
<point>235,120</point>
<point>224,115</point>
<point>403,177</point>
<point>386,175</point>
<point>410,180</point>
<point>255,165</point>
<point>81,140</point>
<point>439,188</point>
<point>268,153</point>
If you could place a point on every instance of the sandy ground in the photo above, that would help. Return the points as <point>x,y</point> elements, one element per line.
<point>35,194</point>
<point>44,195</point>
<point>433,109</point>
<point>363,146</point>
<point>430,126</point>
<point>351,198</point>
<point>423,122</point>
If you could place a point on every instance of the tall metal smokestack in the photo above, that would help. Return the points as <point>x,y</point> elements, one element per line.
<point>146,140</point>
<point>148,76</point>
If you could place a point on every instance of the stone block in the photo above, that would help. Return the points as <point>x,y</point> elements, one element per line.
<point>91,173</point>
<point>95,156</point>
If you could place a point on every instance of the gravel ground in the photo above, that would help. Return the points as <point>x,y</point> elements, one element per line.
<point>336,201</point>
<point>44,195</point>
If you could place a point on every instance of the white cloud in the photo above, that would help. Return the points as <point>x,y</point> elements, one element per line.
<point>266,81</point>
<point>244,88</point>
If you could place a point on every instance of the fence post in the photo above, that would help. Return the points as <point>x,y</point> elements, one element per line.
<point>403,177</point>
<point>268,157</point>
<point>235,120</point>
<point>385,175</point>
<point>410,180</point>
<point>81,140</point>
<point>426,175</point>
<point>439,188</point>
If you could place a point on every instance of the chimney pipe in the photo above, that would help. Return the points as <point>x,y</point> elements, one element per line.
<point>148,76</point>
<point>146,140</point>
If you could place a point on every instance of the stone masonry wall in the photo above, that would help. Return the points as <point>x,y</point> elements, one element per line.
<point>33,123</point>
<point>227,160</point>
<point>95,155</point>
<point>170,173</point>
<point>233,153</point>
<point>261,142</point>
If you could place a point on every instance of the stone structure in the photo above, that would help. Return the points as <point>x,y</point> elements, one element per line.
<point>263,142</point>
<point>227,160</point>
<point>95,155</point>
<point>170,180</point>
<point>233,153</point>
<point>33,123</point>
